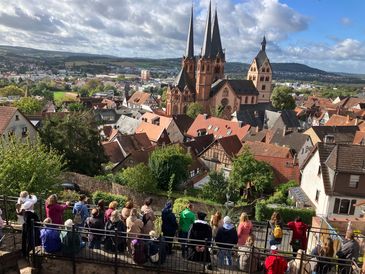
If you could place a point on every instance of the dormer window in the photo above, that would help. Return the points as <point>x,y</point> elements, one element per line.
<point>354,181</point>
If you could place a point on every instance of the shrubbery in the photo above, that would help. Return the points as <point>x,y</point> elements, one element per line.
<point>112,178</point>
<point>140,178</point>
<point>107,197</point>
<point>180,205</point>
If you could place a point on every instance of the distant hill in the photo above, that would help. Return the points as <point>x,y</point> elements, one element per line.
<point>14,57</point>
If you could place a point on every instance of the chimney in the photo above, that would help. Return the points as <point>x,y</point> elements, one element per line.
<point>356,121</point>
<point>257,129</point>
<point>240,123</point>
<point>205,116</point>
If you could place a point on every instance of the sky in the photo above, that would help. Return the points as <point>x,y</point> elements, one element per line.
<point>326,34</point>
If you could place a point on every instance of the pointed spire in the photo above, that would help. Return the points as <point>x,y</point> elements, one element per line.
<point>190,42</point>
<point>263,44</point>
<point>207,36</point>
<point>216,38</point>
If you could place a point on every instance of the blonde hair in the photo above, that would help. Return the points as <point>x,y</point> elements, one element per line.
<point>244,217</point>
<point>113,205</point>
<point>52,199</point>
<point>250,240</point>
<point>129,204</point>
<point>47,221</point>
<point>114,217</point>
<point>134,212</point>
<point>216,218</point>
<point>275,217</point>
<point>23,194</point>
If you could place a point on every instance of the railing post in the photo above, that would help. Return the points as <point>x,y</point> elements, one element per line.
<point>308,233</point>
<point>205,254</point>
<point>5,209</point>
<point>267,233</point>
<point>159,254</point>
<point>40,209</point>
<point>116,251</point>
<point>251,260</point>
<point>33,242</point>
<point>301,262</point>
<point>73,251</point>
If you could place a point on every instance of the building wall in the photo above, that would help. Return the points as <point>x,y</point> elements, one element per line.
<point>262,78</point>
<point>313,136</point>
<point>216,159</point>
<point>225,96</point>
<point>331,203</point>
<point>341,185</point>
<point>174,133</point>
<point>17,124</point>
<point>304,151</point>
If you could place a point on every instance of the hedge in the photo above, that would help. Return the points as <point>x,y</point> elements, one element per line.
<point>180,204</point>
<point>263,212</point>
<point>108,197</point>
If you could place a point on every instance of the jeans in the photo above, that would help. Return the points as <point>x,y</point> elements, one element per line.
<point>224,257</point>
<point>183,240</point>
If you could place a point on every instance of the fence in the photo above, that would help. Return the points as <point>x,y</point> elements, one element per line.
<point>211,259</point>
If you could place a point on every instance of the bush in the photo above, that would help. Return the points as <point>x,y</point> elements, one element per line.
<point>284,188</point>
<point>111,178</point>
<point>277,198</point>
<point>263,212</point>
<point>140,178</point>
<point>180,205</point>
<point>108,197</point>
<point>68,195</point>
<point>216,188</point>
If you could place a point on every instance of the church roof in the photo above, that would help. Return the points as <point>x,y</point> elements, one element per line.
<point>240,87</point>
<point>261,57</point>
<point>190,41</point>
<point>182,80</point>
<point>207,44</point>
<point>216,39</point>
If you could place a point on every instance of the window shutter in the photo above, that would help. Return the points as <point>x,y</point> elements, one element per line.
<point>337,205</point>
<point>352,207</point>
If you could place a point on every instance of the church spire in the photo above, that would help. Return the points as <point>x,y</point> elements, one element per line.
<point>263,44</point>
<point>216,38</point>
<point>206,50</point>
<point>190,42</point>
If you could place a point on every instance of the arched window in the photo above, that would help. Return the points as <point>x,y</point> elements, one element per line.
<point>216,70</point>
<point>252,100</point>
<point>203,68</point>
<point>250,77</point>
<point>267,78</point>
<point>225,92</point>
<point>254,78</point>
<point>267,70</point>
<point>174,109</point>
<point>262,78</point>
<point>224,102</point>
<point>246,100</point>
<point>263,87</point>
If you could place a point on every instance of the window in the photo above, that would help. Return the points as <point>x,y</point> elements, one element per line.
<point>267,78</point>
<point>267,70</point>
<point>192,173</point>
<point>354,181</point>
<point>24,132</point>
<point>209,127</point>
<point>16,117</point>
<point>254,78</point>
<point>202,68</point>
<point>252,100</point>
<point>246,100</point>
<point>229,132</point>
<point>225,92</point>
<point>215,155</point>
<point>317,195</point>
<point>263,87</point>
<point>262,78</point>
<point>344,206</point>
<point>216,128</point>
<point>250,78</point>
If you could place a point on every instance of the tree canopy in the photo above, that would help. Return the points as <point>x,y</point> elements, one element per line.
<point>250,175</point>
<point>28,105</point>
<point>194,109</point>
<point>11,90</point>
<point>28,166</point>
<point>281,98</point>
<point>169,160</point>
<point>140,178</point>
<point>76,136</point>
<point>216,188</point>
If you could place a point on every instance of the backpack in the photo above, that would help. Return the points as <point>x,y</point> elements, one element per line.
<point>77,218</point>
<point>138,251</point>
<point>157,250</point>
<point>278,232</point>
<point>145,218</point>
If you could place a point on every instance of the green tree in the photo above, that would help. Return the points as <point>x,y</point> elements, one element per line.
<point>28,166</point>
<point>140,178</point>
<point>216,188</point>
<point>11,90</point>
<point>166,161</point>
<point>194,109</point>
<point>281,98</point>
<point>249,174</point>
<point>29,105</point>
<point>92,86</point>
<point>77,137</point>
<point>77,106</point>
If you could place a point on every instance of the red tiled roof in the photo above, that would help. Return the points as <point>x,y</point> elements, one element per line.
<point>359,136</point>
<point>264,149</point>
<point>139,98</point>
<point>217,126</point>
<point>137,141</point>
<point>113,152</point>
<point>153,132</point>
<point>231,145</point>
<point>339,120</point>
<point>149,117</point>
<point>6,113</point>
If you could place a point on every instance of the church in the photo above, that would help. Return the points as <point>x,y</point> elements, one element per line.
<point>202,80</point>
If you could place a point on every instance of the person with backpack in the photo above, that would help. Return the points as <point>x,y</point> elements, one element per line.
<point>199,232</point>
<point>115,224</point>
<point>299,238</point>
<point>276,225</point>
<point>80,211</point>
<point>71,240</point>
<point>275,264</point>
<point>225,239</point>
<point>94,222</point>
<point>169,225</point>
<point>148,216</point>
<point>50,237</point>
<point>156,248</point>
<point>54,210</point>
<point>187,218</point>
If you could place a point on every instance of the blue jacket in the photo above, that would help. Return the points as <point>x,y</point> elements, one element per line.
<point>51,240</point>
<point>80,206</point>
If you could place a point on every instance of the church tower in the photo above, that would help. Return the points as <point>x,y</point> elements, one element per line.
<point>217,52</point>
<point>260,72</point>
<point>188,61</point>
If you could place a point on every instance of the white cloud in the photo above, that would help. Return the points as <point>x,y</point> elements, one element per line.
<point>345,21</point>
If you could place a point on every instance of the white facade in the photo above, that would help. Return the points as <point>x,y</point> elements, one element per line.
<point>20,127</point>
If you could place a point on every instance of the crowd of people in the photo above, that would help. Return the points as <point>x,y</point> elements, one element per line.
<point>200,239</point>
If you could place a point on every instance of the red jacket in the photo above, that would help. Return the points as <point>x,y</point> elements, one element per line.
<point>275,264</point>
<point>55,212</point>
<point>299,232</point>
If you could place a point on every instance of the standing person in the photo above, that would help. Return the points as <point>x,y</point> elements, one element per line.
<point>23,197</point>
<point>115,223</point>
<point>94,222</point>
<point>134,226</point>
<point>244,229</point>
<point>148,216</point>
<point>187,218</point>
<point>199,232</point>
<point>71,240</point>
<point>276,225</point>
<point>245,253</point>
<point>54,210</point>
<point>299,238</point>
<point>299,266</point>
<point>80,211</point>
<point>126,211</point>
<point>101,210</point>
<point>226,238</point>
<point>323,254</point>
<point>169,225</point>
<point>112,207</point>
<point>50,237</point>
<point>275,264</point>
<point>30,235</point>
<point>216,222</point>
<point>350,249</point>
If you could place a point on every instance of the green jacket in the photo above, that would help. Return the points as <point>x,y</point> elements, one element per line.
<point>187,218</point>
